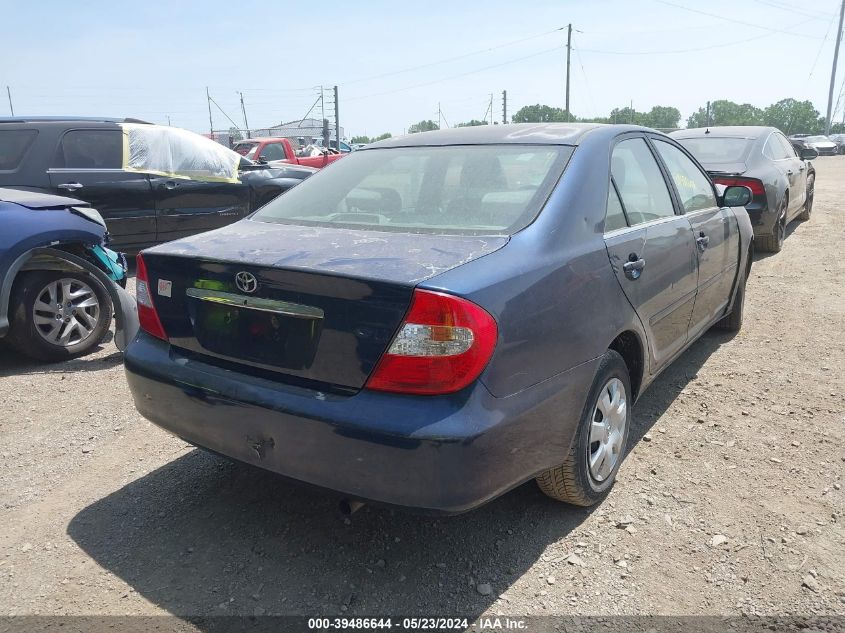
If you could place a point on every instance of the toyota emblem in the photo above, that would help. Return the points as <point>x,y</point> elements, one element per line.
<point>246,281</point>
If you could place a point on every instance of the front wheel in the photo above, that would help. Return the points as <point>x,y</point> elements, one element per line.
<point>589,470</point>
<point>58,315</point>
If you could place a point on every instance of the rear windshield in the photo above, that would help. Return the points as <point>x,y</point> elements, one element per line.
<point>718,149</point>
<point>13,146</point>
<point>816,139</point>
<point>474,189</point>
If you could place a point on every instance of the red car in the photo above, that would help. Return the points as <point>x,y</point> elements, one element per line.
<point>274,149</point>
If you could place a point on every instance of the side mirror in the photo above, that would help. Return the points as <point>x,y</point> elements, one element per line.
<point>808,153</point>
<point>262,160</point>
<point>737,196</point>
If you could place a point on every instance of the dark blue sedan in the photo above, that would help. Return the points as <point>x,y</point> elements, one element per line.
<point>438,318</point>
<point>58,281</point>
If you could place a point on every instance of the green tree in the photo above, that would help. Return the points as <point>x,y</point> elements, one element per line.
<point>627,115</point>
<point>791,116</point>
<point>423,126</point>
<point>472,123</point>
<point>541,114</point>
<point>662,117</point>
<point>724,112</point>
<point>360,139</point>
<point>381,137</point>
<point>235,135</point>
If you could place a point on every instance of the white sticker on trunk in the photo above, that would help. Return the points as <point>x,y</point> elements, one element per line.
<point>164,287</point>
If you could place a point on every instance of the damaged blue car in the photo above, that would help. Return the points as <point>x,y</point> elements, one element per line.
<point>59,284</point>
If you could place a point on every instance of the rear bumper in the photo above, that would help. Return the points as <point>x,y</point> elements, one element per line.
<point>444,453</point>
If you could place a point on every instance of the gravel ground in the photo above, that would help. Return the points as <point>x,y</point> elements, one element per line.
<point>730,501</point>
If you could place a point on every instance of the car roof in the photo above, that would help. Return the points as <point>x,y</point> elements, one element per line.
<point>522,133</point>
<point>62,119</point>
<point>721,131</point>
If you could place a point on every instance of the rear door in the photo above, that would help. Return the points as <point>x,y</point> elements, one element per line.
<point>186,207</point>
<point>715,231</point>
<point>796,171</point>
<point>651,249</point>
<point>88,165</point>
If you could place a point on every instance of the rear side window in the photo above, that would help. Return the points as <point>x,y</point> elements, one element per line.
<point>13,147</point>
<point>90,149</point>
<point>615,218</point>
<point>773,149</point>
<point>788,150</point>
<point>693,186</point>
<point>640,182</point>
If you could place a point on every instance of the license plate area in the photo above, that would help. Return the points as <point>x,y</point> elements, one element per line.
<point>276,333</point>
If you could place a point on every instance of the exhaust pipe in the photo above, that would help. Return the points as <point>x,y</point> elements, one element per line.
<point>350,506</point>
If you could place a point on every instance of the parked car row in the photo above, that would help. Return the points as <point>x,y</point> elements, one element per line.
<point>824,145</point>
<point>781,181</point>
<point>175,184</point>
<point>440,317</point>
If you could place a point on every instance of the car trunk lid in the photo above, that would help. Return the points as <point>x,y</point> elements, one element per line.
<point>311,305</point>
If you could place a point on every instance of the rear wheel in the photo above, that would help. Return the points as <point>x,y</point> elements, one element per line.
<point>808,203</point>
<point>589,470</point>
<point>774,243</point>
<point>58,315</point>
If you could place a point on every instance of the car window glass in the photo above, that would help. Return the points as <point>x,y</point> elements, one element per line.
<point>615,217</point>
<point>710,149</point>
<point>640,182</point>
<point>786,147</point>
<point>693,186</point>
<point>274,151</point>
<point>773,148</point>
<point>91,149</point>
<point>477,189</point>
<point>13,146</point>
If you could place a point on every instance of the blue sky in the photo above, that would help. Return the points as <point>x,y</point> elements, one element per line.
<point>153,59</point>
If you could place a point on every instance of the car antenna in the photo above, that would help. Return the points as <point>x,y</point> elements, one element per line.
<point>707,131</point>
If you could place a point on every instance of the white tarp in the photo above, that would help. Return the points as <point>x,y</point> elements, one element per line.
<point>178,153</point>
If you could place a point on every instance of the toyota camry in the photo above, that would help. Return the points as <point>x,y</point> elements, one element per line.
<point>439,318</point>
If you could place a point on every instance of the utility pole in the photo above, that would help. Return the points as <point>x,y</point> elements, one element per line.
<point>491,109</point>
<point>168,120</point>
<point>568,56</point>
<point>11,107</point>
<point>243,110</point>
<point>708,115</point>
<point>439,116</point>
<point>833,70</point>
<point>210,122</point>
<point>504,107</point>
<point>336,119</point>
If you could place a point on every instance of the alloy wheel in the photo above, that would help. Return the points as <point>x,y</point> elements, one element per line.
<point>66,312</point>
<point>607,430</point>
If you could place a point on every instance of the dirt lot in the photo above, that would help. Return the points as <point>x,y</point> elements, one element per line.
<point>730,501</point>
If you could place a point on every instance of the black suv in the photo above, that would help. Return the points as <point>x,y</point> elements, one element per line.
<point>85,158</point>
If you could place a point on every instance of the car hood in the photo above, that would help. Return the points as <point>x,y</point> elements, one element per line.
<point>405,258</point>
<point>823,144</point>
<point>36,200</point>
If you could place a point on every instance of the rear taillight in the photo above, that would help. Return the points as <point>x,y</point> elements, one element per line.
<point>443,345</point>
<point>755,185</point>
<point>147,315</point>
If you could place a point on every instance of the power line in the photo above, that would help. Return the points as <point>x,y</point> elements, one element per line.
<point>789,9</point>
<point>471,72</point>
<point>452,59</point>
<point>735,21</point>
<point>828,120</point>
<point>684,50</point>
<point>821,48</point>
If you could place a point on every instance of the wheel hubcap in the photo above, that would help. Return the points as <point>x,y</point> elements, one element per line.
<point>66,312</point>
<point>607,430</point>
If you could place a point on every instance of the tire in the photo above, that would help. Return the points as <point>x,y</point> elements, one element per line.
<point>574,481</point>
<point>774,243</point>
<point>35,303</point>
<point>733,322</point>
<point>808,204</point>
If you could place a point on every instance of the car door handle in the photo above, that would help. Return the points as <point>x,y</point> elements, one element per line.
<point>70,186</point>
<point>702,241</point>
<point>633,267</point>
<point>801,168</point>
<point>789,172</point>
<point>169,184</point>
